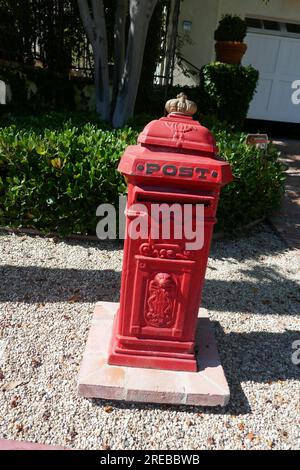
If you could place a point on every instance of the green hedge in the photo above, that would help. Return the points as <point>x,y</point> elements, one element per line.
<point>257,186</point>
<point>226,91</point>
<point>54,178</point>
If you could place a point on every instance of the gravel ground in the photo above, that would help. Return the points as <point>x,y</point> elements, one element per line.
<point>47,294</point>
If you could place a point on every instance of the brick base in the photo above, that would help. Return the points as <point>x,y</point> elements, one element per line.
<point>97,379</point>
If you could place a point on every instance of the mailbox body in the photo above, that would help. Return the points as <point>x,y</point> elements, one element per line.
<point>174,163</point>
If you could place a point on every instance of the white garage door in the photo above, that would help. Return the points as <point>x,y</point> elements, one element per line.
<point>278,60</point>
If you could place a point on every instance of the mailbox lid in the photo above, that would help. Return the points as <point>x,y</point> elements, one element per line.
<point>178,131</point>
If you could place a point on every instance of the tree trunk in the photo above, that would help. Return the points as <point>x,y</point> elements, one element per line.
<point>101,86</point>
<point>171,40</point>
<point>119,43</point>
<point>94,25</point>
<point>128,70</point>
<point>140,15</point>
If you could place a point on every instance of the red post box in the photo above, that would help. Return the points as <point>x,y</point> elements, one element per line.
<point>175,162</point>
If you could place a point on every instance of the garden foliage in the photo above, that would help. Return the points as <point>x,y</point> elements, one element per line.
<point>226,91</point>
<point>54,179</point>
<point>231,28</point>
<point>55,171</point>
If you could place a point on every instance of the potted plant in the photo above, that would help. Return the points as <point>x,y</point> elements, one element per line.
<point>229,37</point>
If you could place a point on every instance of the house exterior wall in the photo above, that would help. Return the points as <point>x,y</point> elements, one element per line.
<point>197,46</point>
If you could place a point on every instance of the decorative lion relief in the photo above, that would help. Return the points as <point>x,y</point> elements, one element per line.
<point>160,311</point>
<point>164,251</point>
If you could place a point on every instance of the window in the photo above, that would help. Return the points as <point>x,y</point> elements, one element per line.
<point>257,23</point>
<point>293,28</point>
<point>254,23</point>
<point>273,25</point>
<point>286,29</point>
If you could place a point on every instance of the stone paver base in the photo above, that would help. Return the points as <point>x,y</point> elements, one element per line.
<point>97,379</point>
<point>6,444</point>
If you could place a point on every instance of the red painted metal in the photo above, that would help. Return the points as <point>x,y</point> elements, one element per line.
<point>174,162</point>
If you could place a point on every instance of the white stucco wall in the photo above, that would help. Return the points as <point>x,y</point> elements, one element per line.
<point>198,45</point>
<point>275,9</point>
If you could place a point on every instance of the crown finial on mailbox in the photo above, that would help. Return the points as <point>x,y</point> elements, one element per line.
<point>181,105</point>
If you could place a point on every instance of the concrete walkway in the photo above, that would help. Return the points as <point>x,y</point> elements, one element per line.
<point>287,219</point>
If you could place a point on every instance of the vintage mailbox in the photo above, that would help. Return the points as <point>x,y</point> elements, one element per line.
<point>175,162</point>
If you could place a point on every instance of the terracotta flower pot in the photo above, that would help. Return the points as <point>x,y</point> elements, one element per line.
<point>230,52</point>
